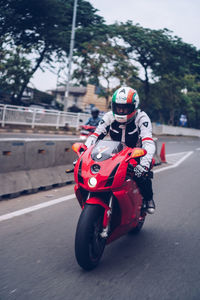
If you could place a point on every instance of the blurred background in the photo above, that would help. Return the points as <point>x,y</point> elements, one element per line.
<point>151,46</point>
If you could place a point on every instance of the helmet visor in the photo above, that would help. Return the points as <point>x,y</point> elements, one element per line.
<point>123,109</point>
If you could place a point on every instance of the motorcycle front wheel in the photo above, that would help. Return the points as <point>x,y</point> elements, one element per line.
<point>89,245</point>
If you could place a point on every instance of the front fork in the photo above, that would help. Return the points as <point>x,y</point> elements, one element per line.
<point>105,231</point>
<point>107,213</point>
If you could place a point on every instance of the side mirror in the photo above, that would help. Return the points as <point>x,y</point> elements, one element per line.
<point>137,152</point>
<point>78,148</point>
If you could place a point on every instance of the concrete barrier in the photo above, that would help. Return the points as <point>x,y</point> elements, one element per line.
<point>39,154</point>
<point>159,129</point>
<point>12,156</point>
<point>14,182</point>
<point>28,165</point>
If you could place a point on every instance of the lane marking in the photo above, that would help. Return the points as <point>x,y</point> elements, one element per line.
<point>72,196</point>
<point>35,207</point>
<point>176,164</point>
<point>175,154</point>
<point>198,149</point>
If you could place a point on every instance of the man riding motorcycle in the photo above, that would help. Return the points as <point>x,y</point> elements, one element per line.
<point>128,124</point>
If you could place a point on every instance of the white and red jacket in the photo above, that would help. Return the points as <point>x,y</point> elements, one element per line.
<point>136,133</point>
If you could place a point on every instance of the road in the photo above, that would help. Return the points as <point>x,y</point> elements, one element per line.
<point>37,248</point>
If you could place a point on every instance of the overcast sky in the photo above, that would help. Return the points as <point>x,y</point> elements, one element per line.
<point>180,16</point>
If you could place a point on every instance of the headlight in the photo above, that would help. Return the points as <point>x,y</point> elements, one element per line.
<point>92,182</point>
<point>95,168</point>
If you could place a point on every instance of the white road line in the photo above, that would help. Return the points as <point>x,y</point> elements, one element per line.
<point>72,196</point>
<point>176,164</point>
<point>35,207</point>
<point>175,154</point>
<point>198,149</point>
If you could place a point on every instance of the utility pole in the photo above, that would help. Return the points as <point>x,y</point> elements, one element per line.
<point>66,99</point>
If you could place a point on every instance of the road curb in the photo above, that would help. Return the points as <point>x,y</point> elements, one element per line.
<point>61,132</point>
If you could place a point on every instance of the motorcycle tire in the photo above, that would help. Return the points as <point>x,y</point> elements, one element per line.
<point>138,227</point>
<point>89,245</point>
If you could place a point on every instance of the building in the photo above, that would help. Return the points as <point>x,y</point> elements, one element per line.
<point>30,96</point>
<point>80,97</point>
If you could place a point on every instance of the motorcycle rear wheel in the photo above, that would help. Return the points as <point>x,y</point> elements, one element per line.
<point>89,245</point>
<point>138,227</point>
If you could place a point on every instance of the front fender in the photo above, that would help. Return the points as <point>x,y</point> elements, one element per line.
<point>98,201</point>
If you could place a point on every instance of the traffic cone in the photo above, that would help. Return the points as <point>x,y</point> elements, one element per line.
<point>162,154</point>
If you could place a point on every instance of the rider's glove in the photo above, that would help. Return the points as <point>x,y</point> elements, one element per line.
<point>90,141</point>
<point>140,171</point>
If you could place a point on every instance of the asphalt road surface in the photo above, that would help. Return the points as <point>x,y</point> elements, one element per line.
<point>37,247</point>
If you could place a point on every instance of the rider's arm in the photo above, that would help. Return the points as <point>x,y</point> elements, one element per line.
<point>88,122</point>
<point>145,129</point>
<point>101,130</point>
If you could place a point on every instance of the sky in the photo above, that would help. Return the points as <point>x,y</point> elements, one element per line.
<point>179,16</point>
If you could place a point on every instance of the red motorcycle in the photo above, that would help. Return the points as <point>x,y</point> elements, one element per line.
<point>108,195</point>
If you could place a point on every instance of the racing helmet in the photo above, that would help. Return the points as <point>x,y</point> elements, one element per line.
<point>95,112</point>
<point>125,102</point>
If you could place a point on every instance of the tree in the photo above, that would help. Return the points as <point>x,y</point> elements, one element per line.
<point>14,70</point>
<point>169,89</point>
<point>177,62</point>
<point>191,100</point>
<point>143,46</point>
<point>104,63</point>
<point>43,28</point>
<point>165,60</point>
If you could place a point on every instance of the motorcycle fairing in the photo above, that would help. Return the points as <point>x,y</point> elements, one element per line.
<point>109,176</point>
<point>130,194</point>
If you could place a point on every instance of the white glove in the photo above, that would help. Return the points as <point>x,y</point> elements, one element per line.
<point>140,171</point>
<point>90,141</point>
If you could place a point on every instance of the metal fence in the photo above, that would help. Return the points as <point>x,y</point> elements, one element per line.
<point>21,115</point>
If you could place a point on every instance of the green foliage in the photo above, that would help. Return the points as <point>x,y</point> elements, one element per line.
<point>165,60</point>
<point>191,100</point>
<point>46,23</point>
<point>143,46</point>
<point>104,60</point>
<point>14,70</point>
<point>42,29</point>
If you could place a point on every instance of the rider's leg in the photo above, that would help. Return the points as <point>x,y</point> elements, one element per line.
<point>145,186</point>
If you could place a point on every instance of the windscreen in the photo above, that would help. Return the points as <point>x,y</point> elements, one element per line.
<point>106,149</point>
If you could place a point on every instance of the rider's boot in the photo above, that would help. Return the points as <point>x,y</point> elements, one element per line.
<point>150,206</point>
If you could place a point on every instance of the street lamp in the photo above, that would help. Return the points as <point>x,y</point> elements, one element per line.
<point>70,56</point>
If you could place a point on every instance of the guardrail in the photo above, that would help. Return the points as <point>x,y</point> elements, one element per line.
<point>21,115</point>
